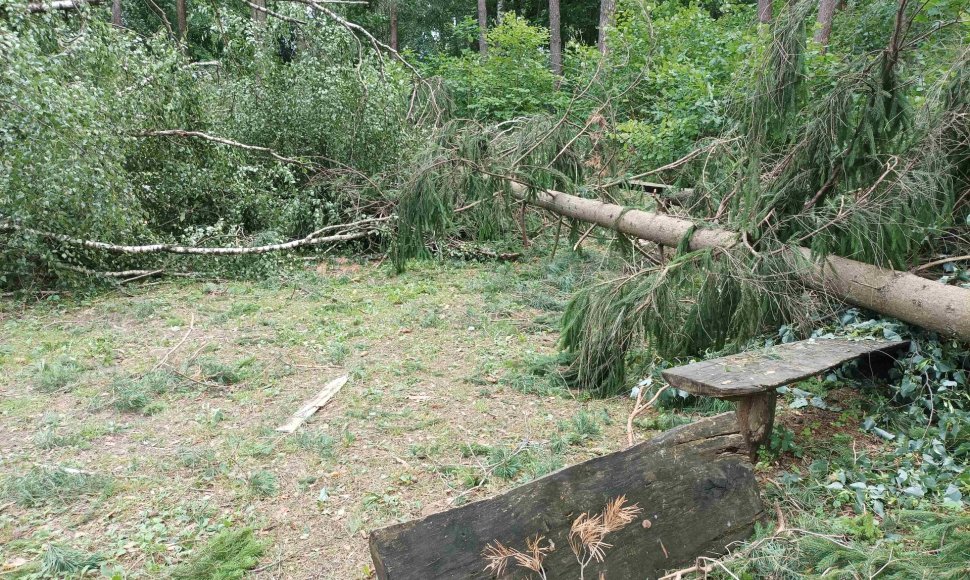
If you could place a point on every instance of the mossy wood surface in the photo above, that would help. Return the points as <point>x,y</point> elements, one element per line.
<point>694,484</point>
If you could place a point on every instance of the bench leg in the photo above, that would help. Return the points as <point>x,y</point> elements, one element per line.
<point>756,416</point>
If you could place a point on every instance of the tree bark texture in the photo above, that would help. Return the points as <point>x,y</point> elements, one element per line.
<point>925,303</point>
<point>258,15</point>
<point>764,11</point>
<point>756,417</point>
<point>607,11</point>
<point>826,12</point>
<point>555,38</point>
<point>393,18</point>
<point>180,16</point>
<point>482,27</point>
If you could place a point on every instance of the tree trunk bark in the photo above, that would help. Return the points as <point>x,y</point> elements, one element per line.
<point>764,11</point>
<point>925,303</point>
<point>116,13</point>
<point>499,10</point>
<point>393,18</point>
<point>482,27</point>
<point>826,12</point>
<point>555,38</point>
<point>258,15</point>
<point>607,10</point>
<point>182,23</point>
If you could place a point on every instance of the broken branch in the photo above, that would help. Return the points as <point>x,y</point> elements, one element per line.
<point>310,240</point>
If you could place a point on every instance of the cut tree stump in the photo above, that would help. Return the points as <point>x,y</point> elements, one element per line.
<point>750,378</point>
<point>694,484</point>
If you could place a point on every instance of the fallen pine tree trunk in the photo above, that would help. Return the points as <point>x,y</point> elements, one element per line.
<point>925,303</point>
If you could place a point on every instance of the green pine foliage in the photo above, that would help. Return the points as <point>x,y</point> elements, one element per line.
<point>59,561</point>
<point>55,486</point>
<point>228,555</point>
<point>833,157</point>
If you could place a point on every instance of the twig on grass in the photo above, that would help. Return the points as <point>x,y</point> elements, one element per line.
<point>639,408</point>
<point>177,346</point>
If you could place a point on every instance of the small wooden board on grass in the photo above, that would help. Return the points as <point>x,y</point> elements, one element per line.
<point>311,406</point>
<point>694,486</point>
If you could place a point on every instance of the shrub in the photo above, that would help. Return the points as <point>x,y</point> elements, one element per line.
<point>513,80</point>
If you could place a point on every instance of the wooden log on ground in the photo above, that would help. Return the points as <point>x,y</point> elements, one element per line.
<point>925,303</point>
<point>694,484</point>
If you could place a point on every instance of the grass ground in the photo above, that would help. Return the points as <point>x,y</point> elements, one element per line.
<point>137,431</point>
<point>134,428</point>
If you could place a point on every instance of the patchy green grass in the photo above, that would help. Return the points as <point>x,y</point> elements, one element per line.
<point>163,407</point>
<point>167,402</point>
<point>60,561</point>
<point>51,376</point>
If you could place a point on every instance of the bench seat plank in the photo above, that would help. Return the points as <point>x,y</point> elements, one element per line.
<point>759,371</point>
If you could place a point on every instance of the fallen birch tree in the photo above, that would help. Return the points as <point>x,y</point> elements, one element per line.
<point>313,239</point>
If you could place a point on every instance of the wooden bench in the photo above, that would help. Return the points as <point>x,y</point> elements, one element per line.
<point>750,378</point>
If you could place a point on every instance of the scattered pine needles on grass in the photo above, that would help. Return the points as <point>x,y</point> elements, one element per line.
<point>54,486</point>
<point>263,483</point>
<point>61,561</point>
<point>227,556</point>
<point>56,375</point>
<point>138,394</point>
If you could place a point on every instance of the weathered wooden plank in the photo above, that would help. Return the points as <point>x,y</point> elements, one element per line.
<point>694,484</point>
<point>311,406</point>
<point>757,371</point>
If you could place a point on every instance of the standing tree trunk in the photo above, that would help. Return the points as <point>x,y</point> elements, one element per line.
<point>555,38</point>
<point>116,13</point>
<point>826,11</point>
<point>482,27</point>
<point>393,17</point>
<point>258,15</point>
<point>607,11</point>
<point>499,10</point>
<point>764,11</point>
<point>180,16</point>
